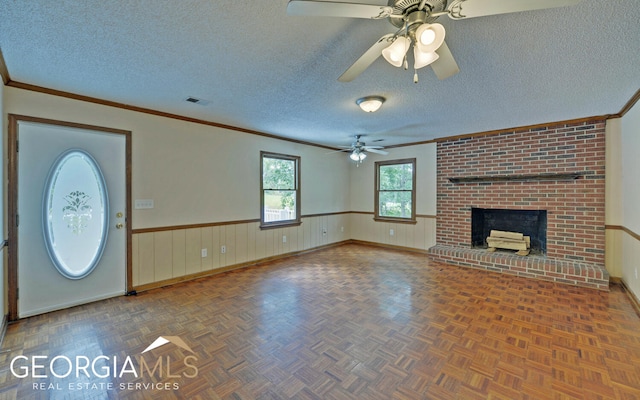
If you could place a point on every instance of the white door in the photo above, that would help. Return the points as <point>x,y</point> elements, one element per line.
<point>71,216</point>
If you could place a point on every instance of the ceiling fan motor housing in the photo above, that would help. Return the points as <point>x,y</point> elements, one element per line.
<point>408,7</point>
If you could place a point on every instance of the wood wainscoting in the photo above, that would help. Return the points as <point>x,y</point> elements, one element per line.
<point>167,255</point>
<point>164,256</point>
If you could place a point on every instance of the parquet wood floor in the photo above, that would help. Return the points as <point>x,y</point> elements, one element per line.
<point>349,322</point>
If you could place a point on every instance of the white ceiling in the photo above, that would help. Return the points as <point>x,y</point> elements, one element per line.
<point>266,71</point>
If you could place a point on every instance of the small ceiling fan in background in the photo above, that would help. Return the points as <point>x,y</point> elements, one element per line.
<point>415,20</point>
<point>359,149</point>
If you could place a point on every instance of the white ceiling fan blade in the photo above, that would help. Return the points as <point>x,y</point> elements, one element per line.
<point>377,151</point>
<point>332,9</point>
<point>366,59</point>
<point>372,147</point>
<point>339,151</point>
<point>445,66</point>
<point>461,9</point>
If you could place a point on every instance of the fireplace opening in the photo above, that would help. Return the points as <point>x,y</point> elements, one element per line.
<point>531,223</point>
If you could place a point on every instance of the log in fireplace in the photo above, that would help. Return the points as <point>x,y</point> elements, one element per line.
<point>531,223</point>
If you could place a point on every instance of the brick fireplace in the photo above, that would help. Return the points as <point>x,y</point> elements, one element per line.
<point>557,168</point>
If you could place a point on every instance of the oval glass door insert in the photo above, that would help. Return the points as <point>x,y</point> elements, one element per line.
<point>75,214</point>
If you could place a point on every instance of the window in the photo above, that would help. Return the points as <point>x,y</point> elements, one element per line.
<point>395,190</point>
<point>280,190</point>
<point>75,214</point>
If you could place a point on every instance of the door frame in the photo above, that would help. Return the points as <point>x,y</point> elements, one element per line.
<point>12,200</point>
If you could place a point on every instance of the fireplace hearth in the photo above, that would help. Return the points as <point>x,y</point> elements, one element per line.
<point>532,223</point>
<point>558,168</point>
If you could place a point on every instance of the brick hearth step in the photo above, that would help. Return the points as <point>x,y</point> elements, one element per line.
<point>533,266</point>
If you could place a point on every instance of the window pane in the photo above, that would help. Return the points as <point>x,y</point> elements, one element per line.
<point>278,173</point>
<point>279,205</point>
<point>395,204</point>
<point>396,177</point>
<point>75,214</point>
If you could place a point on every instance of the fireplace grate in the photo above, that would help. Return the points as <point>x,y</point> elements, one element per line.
<point>531,223</point>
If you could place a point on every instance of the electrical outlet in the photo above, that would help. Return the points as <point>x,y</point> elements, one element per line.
<point>284,238</point>
<point>203,252</point>
<point>391,232</point>
<point>324,231</point>
<point>223,249</point>
<point>342,229</point>
<point>143,204</point>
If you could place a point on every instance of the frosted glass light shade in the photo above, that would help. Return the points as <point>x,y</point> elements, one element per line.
<point>422,59</point>
<point>357,155</point>
<point>429,37</point>
<point>395,53</point>
<point>370,103</point>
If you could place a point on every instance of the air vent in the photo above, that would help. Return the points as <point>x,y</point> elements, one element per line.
<point>196,100</point>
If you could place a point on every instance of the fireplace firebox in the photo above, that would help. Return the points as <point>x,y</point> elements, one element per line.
<point>531,223</point>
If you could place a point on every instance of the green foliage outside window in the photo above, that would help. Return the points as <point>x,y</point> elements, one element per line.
<point>395,190</point>
<point>278,182</point>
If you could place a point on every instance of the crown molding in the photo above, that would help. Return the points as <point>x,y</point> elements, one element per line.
<point>4,72</point>
<point>25,86</point>
<point>109,103</point>
<point>632,102</point>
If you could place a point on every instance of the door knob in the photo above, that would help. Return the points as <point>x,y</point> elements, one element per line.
<point>119,225</point>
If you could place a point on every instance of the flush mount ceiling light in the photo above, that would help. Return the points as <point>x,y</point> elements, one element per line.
<point>370,103</point>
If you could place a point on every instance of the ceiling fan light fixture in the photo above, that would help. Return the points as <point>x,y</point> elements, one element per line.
<point>422,59</point>
<point>429,37</point>
<point>395,53</point>
<point>357,155</point>
<point>370,103</point>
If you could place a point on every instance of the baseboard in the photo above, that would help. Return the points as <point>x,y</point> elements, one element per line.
<point>212,272</point>
<point>635,302</point>
<point>388,246</point>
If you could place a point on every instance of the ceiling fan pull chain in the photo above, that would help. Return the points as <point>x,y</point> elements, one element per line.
<point>406,27</point>
<point>415,76</point>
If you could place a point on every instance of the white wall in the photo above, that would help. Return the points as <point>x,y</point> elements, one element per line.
<point>630,188</point>
<point>630,168</point>
<point>196,173</point>
<point>200,174</point>
<point>613,198</point>
<point>362,178</point>
<point>421,235</point>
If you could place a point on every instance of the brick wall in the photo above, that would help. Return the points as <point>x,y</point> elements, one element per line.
<point>575,208</point>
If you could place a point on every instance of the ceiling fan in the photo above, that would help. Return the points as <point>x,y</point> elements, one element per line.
<point>415,20</point>
<point>359,149</point>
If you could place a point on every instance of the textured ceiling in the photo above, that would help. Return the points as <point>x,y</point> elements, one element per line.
<point>263,70</point>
